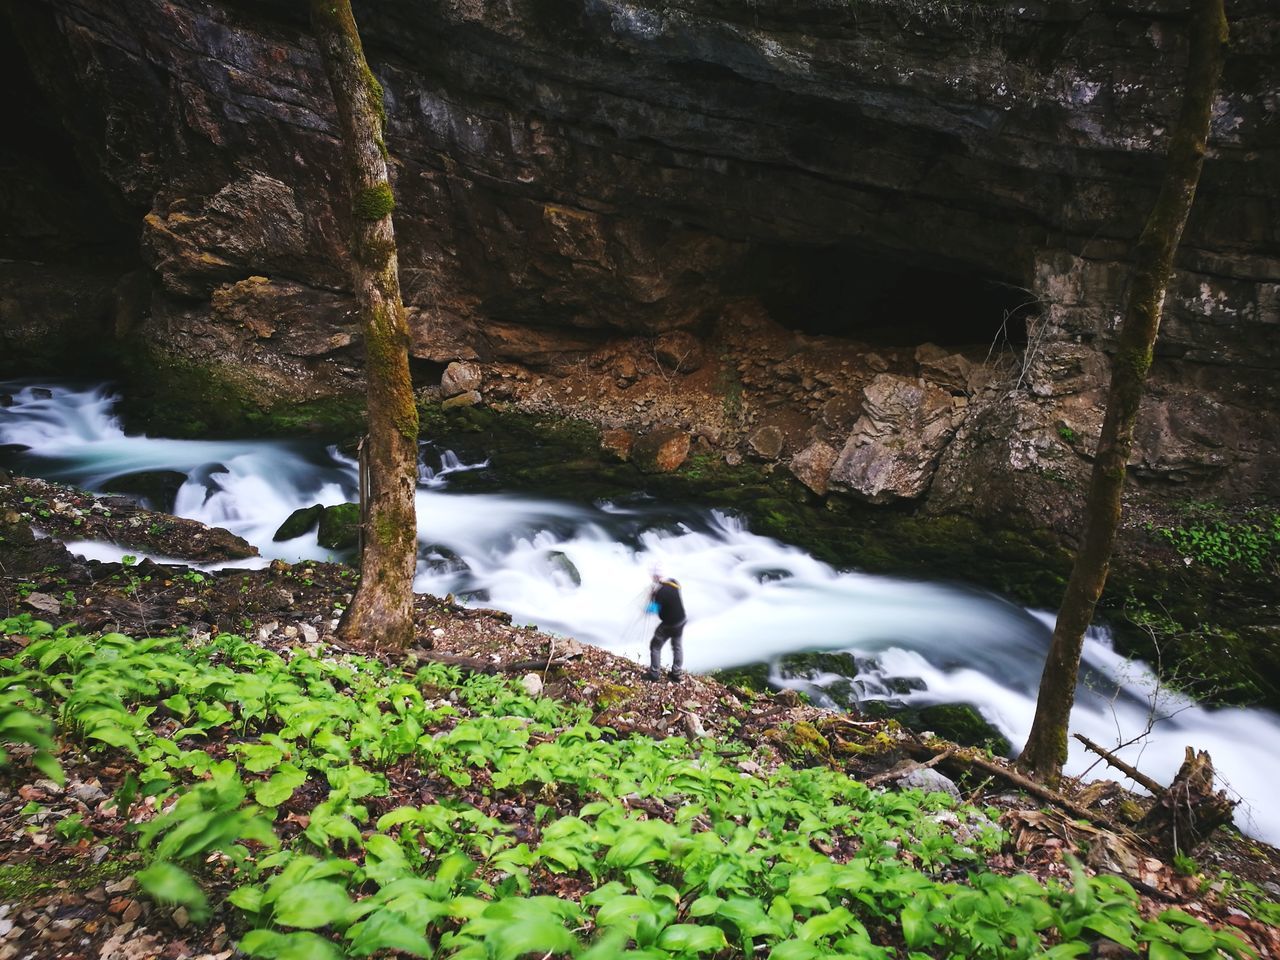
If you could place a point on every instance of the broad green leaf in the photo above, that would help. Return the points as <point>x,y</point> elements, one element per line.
<point>1160,950</point>
<point>116,737</point>
<point>825,924</point>
<point>280,787</point>
<point>269,945</point>
<point>316,903</point>
<point>1196,940</point>
<point>692,938</point>
<point>705,906</point>
<point>259,757</point>
<point>385,930</point>
<point>246,898</point>
<point>795,950</point>
<point>171,884</point>
<point>48,764</point>
<point>518,937</point>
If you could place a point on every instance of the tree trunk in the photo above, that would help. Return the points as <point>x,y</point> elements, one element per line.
<point>1046,749</point>
<point>380,616</point>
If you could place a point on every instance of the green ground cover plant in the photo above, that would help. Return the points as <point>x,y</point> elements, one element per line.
<point>290,786</point>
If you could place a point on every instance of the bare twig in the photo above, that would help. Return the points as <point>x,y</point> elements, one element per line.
<point>1132,772</point>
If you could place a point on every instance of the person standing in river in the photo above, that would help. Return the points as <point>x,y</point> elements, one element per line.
<point>665,600</point>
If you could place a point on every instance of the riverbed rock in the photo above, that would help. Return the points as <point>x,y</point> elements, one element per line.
<point>618,443</point>
<point>460,378</point>
<point>340,527</point>
<point>662,450</point>
<point>766,443</point>
<point>894,448</point>
<point>303,520</point>
<point>812,466</point>
<point>470,398</point>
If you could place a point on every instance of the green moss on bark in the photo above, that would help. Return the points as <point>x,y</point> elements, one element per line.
<point>374,203</point>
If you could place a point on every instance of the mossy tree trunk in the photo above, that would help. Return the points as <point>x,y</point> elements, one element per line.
<point>1046,749</point>
<point>380,616</point>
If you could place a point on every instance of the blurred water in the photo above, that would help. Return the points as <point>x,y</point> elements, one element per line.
<point>749,598</point>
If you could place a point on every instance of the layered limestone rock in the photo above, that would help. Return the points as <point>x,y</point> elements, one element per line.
<point>730,219</point>
<point>895,445</point>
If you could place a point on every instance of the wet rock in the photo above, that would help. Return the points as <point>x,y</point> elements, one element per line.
<point>562,565</point>
<point>459,378</point>
<point>893,450</point>
<point>812,466</point>
<point>469,399</point>
<point>766,443</point>
<point>661,451</point>
<point>340,527</point>
<point>301,521</point>
<point>618,443</point>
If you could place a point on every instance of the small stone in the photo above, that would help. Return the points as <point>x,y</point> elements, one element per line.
<point>766,443</point>
<point>49,787</point>
<point>88,792</point>
<point>132,912</point>
<point>43,603</point>
<point>930,781</point>
<point>309,633</point>
<point>469,399</point>
<point>126,885</point>
<point>96,895</point>
<point>119,905</point>
<point>181,917</point>
<point>532,684</point>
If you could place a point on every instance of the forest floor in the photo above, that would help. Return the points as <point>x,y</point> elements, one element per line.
<point>67,853</point>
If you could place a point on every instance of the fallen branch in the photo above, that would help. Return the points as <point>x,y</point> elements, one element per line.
<point>1033,788</point>
<point>1133,773</point>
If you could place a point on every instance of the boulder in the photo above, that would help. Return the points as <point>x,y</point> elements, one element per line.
<point>661,450</point>
<point>951,371</point>
<point>893,450</point>
<point>340,527</point>
<point>618,443</point>
<point>301,521</point>
<point>812,466</point>
<point>766,443</point>
<point>460,378</point>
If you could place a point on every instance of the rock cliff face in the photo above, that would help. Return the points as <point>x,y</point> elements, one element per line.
<point>725,217</point>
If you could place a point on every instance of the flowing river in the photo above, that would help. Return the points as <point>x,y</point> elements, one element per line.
<point>583,570</point>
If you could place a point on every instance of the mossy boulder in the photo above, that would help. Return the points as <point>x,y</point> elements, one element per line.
<point>301,521</point>
<point>751,676</point>
<point>340,527</point>
<point>958,722</point>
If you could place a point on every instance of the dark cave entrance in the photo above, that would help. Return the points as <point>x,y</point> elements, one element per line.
<point>53,207</point>
<point>844,290</point>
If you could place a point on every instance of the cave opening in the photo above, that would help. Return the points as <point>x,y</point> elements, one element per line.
<point>52,207</point>
<point>846,290</point>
